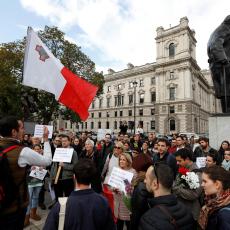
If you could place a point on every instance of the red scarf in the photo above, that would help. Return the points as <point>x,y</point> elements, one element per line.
<point>212,205</point>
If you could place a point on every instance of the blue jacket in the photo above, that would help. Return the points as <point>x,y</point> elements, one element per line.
<point>220,219</point>
<point>85,210</point>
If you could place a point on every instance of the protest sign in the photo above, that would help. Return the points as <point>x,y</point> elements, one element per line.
<point>117,178</point>
<point>101,133</point>
<point>38,173</point>
<point>39,129</point>
<point>63,155</point>
<point>201,162</point>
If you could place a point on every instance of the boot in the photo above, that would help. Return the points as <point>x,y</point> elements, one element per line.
<point>27,221</point>
<point>33,214</point>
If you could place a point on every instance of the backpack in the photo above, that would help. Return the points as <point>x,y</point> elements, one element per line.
<point>8,189</point>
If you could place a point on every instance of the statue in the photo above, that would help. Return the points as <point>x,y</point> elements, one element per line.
<point>219,57</point>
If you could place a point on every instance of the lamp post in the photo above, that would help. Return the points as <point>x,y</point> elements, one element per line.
<point>134,105</point>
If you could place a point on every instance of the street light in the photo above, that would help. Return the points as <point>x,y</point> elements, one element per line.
<point>134,112</point>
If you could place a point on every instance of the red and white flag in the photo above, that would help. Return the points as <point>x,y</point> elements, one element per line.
<point>43,71</point>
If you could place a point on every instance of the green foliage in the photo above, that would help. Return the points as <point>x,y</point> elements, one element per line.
<point>34,104</point>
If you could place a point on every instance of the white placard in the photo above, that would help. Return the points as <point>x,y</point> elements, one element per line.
<point>39,130</point>
<point>38,173</point>
<point>201,162</point>
<point>63,155</point>
<point>117,178</point>
<point>101,133</point>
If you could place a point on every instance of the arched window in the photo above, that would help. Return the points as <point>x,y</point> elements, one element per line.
<point>172,125</point>
<point>171,49</point>
<point>99,125</point>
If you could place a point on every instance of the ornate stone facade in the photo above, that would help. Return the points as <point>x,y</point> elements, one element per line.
<point>172,94</point>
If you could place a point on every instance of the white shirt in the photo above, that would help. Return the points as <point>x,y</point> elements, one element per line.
<point>29,157</point>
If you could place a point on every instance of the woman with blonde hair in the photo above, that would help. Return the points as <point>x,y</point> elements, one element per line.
<point>215,214</point>
<point>121,212</point>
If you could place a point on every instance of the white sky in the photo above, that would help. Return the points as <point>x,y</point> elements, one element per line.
<point>115,32</point>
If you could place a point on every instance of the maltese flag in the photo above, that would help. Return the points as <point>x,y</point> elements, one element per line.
<point>43,71</point>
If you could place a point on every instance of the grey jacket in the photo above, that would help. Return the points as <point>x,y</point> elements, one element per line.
<point>67,170</point>
<point>189,197</point>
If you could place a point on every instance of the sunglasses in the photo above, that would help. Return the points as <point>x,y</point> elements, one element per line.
<point>227,154</point>
<point>117,147</point>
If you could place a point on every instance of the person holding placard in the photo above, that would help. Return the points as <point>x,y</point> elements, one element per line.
<point>121,211</point>
<point>34,187</point>
<point>65,183</point>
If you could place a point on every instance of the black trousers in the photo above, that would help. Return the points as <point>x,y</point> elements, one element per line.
<point>120,224</point>
<point>63,188</point>
<point>13,221</point>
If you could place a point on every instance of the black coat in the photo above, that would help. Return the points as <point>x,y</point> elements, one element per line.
<point>220,219</point>
<point>85,209</point>
<point>139,204</point>
<point>156,219</point>
<point>219,55</point>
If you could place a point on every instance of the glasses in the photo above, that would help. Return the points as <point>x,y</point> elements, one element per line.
<point>117,147</point>
<point>227,154</point>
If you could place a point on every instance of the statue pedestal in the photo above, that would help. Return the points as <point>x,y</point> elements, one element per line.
<point>219,129</point>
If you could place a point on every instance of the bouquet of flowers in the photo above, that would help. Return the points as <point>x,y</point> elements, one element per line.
<point>188,179</point>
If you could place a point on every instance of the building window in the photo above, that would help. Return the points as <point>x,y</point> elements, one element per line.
<point>172,93</point>
<point>109,88</point>
<point>115,114</point>
<point>92,125</point>
<point>108,102</point>
<point>153,125</point>
<point>130,99</point>
<point>66,125</point>
<point>130,113</point>
<point>119,100</point>
<point>107,114</point>
<point>171,50</point>
<point>153,111</point>
<point>179,108</point>
<point>171,75</point>
<point>99,125</point>
<point>140,112</point>
<point>100,102</point>
<point>85,125</point>
<point>141,82</point>
<point>172,125</point>
<point>142,98</point>
<point>130,85</point>
<point>115,124</point>
<point>153,80</point>
<point>99,114</point>
<point>92,115</point>
<point>121,113</point>
<point>93,104</point>
<point>82,125</point>
<point>171,109</point>
<point>153,97</point>
<point>107,124</point>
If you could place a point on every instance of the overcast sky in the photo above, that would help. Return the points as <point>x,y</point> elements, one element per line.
<point>114,32</point>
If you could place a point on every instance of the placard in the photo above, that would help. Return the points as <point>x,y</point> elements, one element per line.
<point>63,155</point>
<point>201,162</point>
<point>39,130</point>
<point>117,178</point>
<point>38,173</point>
<point>101,133</point>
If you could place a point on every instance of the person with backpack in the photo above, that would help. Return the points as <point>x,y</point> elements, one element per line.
<point>84,208</point>
<point>14,158</point>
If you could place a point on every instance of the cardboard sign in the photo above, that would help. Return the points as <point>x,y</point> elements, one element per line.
<point>117,178</point>
<point>201,162</point>
<point>39,130</point>
<point>38,173</point>
<point>101,133</point>
<point>63,155</point>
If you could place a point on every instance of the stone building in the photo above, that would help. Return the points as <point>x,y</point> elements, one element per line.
<point>170,95</point>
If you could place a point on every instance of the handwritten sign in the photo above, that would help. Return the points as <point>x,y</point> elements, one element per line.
<point>63,155</point>
<point>201,162</point>
<point>39,130</point>
<point>38,173</point>
<point>117,178</point>
<point>101,133</point>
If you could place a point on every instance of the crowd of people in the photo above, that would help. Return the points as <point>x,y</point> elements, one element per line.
<point>170,188</point>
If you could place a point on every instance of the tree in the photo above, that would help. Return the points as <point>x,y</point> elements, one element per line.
<point>34,104</point>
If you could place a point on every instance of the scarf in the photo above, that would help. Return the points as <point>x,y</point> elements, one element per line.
<point>226,165</point>
<point>212,205</point>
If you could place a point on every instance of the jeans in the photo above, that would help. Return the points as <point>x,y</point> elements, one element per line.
<point>33,198</point>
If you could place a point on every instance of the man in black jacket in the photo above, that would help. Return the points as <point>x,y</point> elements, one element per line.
<point>165,212</point>
<point>85,209</point>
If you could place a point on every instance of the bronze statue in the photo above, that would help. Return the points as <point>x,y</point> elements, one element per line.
<point>219,57</point>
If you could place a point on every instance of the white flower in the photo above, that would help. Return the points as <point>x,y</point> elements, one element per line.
<point>192,180</point>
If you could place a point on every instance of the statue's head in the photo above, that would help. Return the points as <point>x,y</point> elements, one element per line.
<point>227,20</point>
